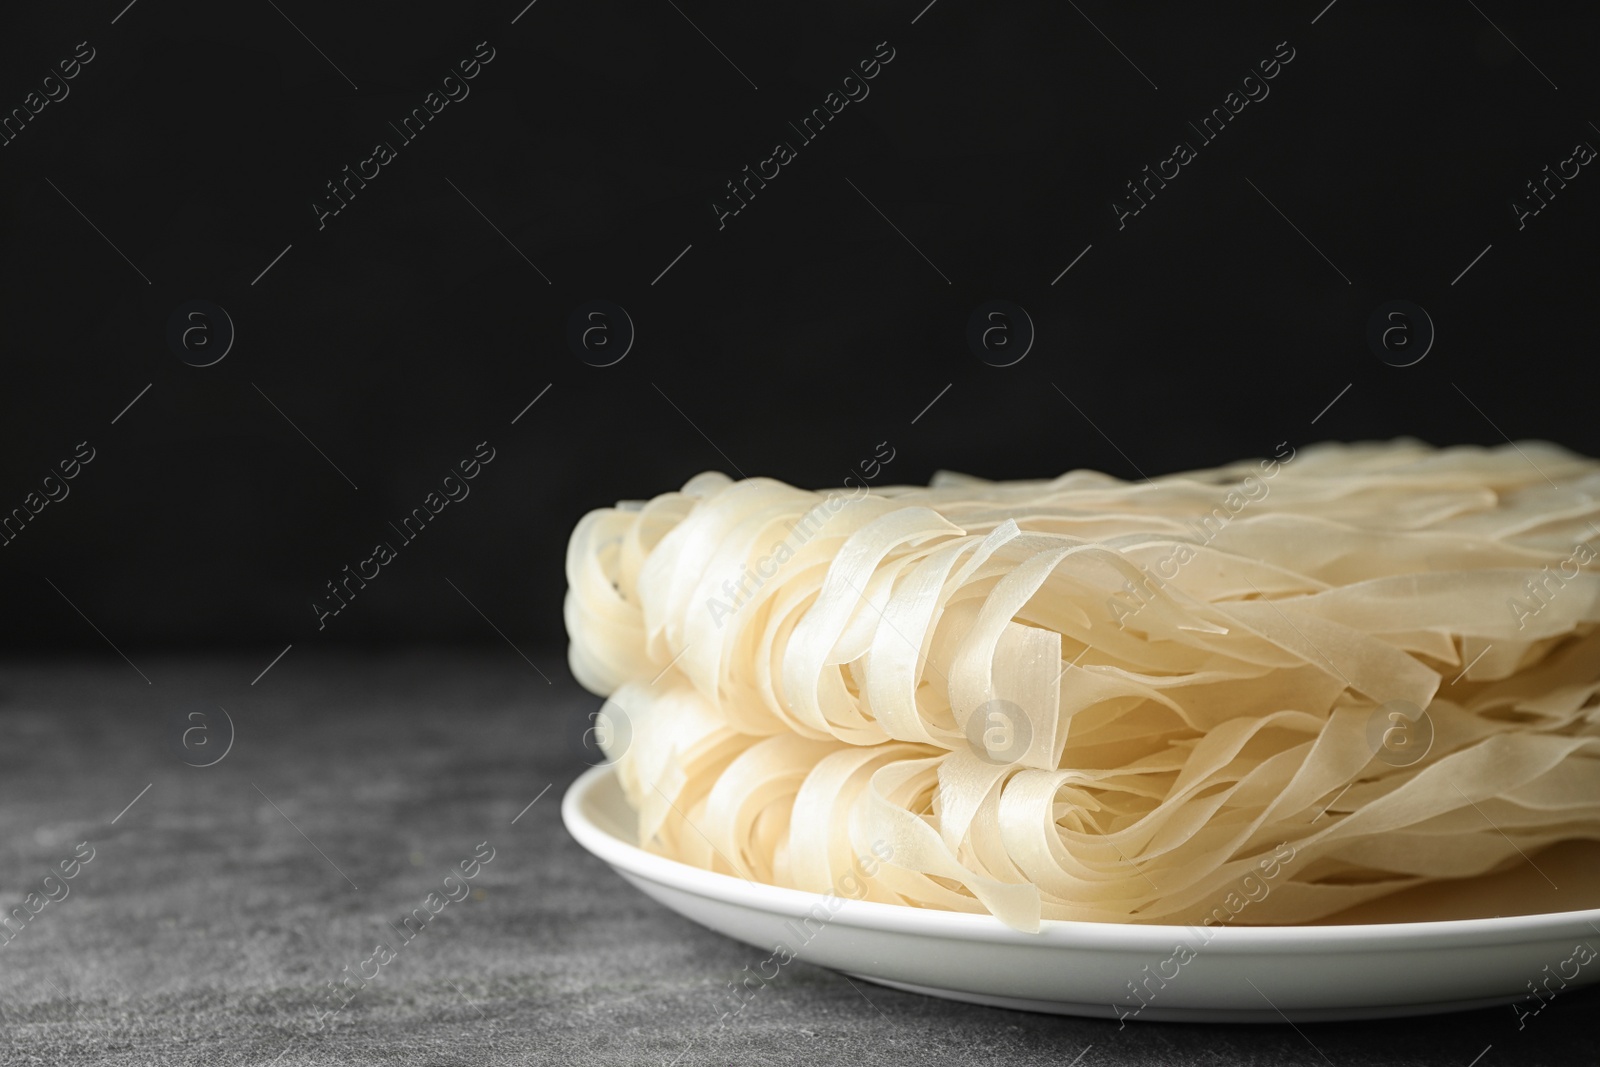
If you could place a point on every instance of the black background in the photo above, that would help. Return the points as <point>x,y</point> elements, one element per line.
<point>789,343</point>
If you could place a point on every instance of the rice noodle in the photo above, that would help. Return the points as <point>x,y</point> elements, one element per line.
<point>1189,675</point>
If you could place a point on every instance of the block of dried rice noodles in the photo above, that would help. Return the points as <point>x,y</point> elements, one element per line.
<point>1332,674</point>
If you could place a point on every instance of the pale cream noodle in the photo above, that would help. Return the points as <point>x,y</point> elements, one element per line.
<point>1200,664</point>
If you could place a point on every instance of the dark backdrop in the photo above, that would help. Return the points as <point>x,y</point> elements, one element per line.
<point>384,342</point>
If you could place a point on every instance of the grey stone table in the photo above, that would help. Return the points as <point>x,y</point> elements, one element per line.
<point>219,908</point>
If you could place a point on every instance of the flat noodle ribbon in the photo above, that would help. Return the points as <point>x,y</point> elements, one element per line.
<point>1091,699</point>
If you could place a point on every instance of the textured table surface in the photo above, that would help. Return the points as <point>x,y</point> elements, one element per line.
<point>217,908</point>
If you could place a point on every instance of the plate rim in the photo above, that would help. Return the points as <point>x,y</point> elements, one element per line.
<point>628,858</point>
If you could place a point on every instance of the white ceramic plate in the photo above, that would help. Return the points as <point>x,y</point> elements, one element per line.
<point>1241,974</point>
